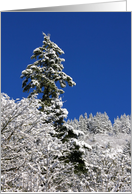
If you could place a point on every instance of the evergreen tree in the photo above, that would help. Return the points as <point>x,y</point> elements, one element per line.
<point>116,125</point>
<point>122,124</point>
<point>125,124</point>
<point>100,123</point>
<point>42,76</point>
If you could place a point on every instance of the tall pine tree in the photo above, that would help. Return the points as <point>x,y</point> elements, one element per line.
<point>42,77</point>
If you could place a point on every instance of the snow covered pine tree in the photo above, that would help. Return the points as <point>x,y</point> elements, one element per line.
<point>42,76</point>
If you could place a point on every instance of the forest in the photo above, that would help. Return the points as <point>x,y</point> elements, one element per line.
<point>42,152</point>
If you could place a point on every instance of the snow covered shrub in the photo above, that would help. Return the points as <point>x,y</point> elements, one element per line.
<point>28,151</point>
<point>109,172</point>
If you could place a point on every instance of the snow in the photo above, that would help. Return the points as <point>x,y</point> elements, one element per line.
<point>36,50</point>
<point>35,82</point>
<point>35,63</point>
<point>86,145</point>
<point>78,132</point>
<point>112,153</point>
<point>27,71</point>
<point>52,52</point>
<point>82,144</point>
<point>65,112</point>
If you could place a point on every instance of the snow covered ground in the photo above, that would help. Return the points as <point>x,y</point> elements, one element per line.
<point>115,140</point>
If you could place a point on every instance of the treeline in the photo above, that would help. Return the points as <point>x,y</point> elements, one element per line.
<point>100,123</point>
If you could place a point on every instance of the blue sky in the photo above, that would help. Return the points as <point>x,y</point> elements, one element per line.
<point>97,56</point>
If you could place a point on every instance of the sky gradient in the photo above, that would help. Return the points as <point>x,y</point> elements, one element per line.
<point>97,56</point>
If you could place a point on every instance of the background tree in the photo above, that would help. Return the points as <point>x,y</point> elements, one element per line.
<point>122,124</point>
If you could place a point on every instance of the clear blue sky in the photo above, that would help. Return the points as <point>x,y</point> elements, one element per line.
<point>97,56</point>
